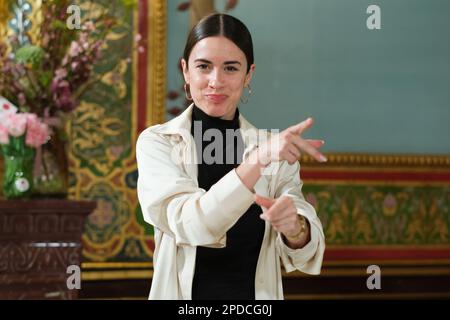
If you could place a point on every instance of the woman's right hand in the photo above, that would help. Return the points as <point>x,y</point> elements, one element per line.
<point>288,145</point>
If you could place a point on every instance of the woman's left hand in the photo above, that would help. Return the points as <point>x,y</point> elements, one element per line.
<point>281,213</point>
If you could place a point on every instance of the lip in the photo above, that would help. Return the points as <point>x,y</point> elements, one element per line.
<point>217,98</point>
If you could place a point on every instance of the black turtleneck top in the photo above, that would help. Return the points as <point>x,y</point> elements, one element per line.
<point>229,272</point>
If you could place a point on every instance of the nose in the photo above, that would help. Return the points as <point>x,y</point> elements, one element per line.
<point>216,79</point>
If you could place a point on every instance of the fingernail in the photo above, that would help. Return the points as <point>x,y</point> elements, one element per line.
<point>323,159</point>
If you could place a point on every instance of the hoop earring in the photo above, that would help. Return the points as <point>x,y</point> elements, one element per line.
<point>186,89</point>
<point>245,100</point>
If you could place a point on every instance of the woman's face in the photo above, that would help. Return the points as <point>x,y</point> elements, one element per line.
<point>217,75</point>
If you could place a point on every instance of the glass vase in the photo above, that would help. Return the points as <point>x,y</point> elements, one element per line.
<point>18,175</point>
<point>51,171</point>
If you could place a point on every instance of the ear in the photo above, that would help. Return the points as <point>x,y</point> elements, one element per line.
<point>249,75</point>
<point>184,66</point>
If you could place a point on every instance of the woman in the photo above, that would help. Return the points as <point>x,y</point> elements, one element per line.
<point>224,216</point>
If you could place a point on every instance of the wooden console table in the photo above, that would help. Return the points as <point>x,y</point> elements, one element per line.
<point>39,239</point>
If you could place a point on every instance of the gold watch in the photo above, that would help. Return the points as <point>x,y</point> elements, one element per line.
<point>298,235</point>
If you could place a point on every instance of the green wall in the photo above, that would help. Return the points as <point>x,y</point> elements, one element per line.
<point>384,91</point>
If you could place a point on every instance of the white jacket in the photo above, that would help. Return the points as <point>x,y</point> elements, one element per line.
<point>185,216</point>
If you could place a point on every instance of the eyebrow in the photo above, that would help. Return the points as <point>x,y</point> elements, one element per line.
<point>226,62</point>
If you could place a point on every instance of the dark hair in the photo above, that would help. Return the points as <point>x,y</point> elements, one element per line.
<point>219,24</point>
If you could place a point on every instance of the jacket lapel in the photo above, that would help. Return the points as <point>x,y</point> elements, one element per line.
<point>179,131</point>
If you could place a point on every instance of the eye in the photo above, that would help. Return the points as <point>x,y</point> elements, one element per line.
<point>202,66</point>
<point>231,68</point>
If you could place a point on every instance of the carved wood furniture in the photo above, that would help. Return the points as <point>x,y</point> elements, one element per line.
<point>39,240</point>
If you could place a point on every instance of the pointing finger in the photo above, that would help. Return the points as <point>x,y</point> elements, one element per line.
<point>308,148</point>
<point>316,143</point>
<point>302,126</point>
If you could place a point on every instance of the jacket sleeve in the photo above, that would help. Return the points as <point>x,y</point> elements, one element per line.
<point>172,201</point>
<point>309,258</point>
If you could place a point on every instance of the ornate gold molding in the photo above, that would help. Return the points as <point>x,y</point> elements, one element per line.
<point>34,17</point>
<point>36,21</point>
<point>116,265</point>
<point>5,15</point>
<point>116,275</point>
<point>116,270</point>
<point>391,160</point>
<point>156,71</point>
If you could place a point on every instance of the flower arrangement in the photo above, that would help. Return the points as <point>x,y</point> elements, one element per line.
<point>20,135</point>
<point>48,75</point>
<point>22,127</point>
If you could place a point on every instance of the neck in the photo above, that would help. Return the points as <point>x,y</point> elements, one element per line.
<point>228,116</point>
<point>215,122</point>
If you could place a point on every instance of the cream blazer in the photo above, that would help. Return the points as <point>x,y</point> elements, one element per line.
<point>185,216</point>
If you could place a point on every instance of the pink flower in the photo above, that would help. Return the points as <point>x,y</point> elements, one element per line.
<point>83,38</point>
<point>60,73</point>
<point>37,132</point>
<point>31,118</point>
<point>75,49</point>
<point>17,124</point>
<point>4,137</point>
<point>88,26</point>
<point>74,65</point>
